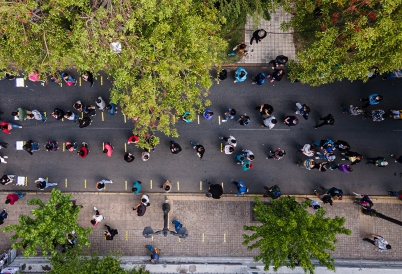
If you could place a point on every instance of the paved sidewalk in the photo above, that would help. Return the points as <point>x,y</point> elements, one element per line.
<point>215,226</point>
<point>276,43</point>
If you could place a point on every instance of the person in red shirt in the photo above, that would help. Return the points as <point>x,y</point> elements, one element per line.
<point>108,149</point>
<point>12,198</point>
<point>133,139</point>
<point>6,127</point>
<point>83,152</point>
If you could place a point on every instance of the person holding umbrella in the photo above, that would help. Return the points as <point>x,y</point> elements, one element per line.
<point>215,191</point>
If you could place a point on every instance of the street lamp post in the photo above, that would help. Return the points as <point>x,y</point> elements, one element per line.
<point>149,232</point>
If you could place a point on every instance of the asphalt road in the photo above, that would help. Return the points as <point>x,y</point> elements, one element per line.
<point>185,169</point>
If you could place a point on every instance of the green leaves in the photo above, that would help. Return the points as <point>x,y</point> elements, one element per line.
<point>288,232</point>
<point>51,223</point>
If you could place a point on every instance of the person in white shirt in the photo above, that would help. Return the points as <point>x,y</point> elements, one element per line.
<point>145,200</point>
<point>97,218</point>
<point>269,122</point>
<point>230,140</point>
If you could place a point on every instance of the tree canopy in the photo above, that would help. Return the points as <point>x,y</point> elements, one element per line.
<point>340,39</point>
<point>167,50</point>
<point>51,223</point>
<point>288,233</point>
<point>73,262</point>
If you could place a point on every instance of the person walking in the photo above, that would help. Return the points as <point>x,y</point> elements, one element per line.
<point>145,200</point>
<point>327,120</point>
<point>83,151</point>
<point>133,139</point>
<point>306,150</point>
<point>30,146</point>
<point>87,76</point>
<point>352,110</point>
<point>240,50</point>
<point>381,244</point>
<point>353,157</point>
<point>100,185</point>
<point>108,149</point>
<point>280,61</point>
<point>243,120</point>
<point>373,99</point>
<point>6,127</point>
<point>333,192</point>
<point>111,108</point>
<point>259,79</point>
<point>240,75</point>
<point>145,156</point>
<point>21,114</point>
<point>52,146</point>
<point>274,192</point>
<point>58,114</point>
<point>308,164</point>
<point>136,187</point>
<point>129,157</point>
<point>167,186</point>
<point>155,253</point>
<point>140,209</point>
<point>97,218</point>
<point>175,148</point>
<point>325,198</point>
<point>378,161</point>
<point>377,115</point>
<point>248,154</point>
<point>229,140</point>
<point>199,148</point>
<point>302,110</point>
<point>177,225</point>
<point>277,154</point>
<point>265,109</point>
<point>277,75</point>
<point>258,35</point>
<point>110,233</point>
<point>314,204</point>
<point>3,216</point>
<point>42,183</point>
<point>214,191</point>
<point>291,121</point>
<point>12,198</point>
<point>241,187</point>
<point>230,114</point>
<point>269,122</point>
<point>100,103</point>
<point>342,145</point>
<point>398,159</point>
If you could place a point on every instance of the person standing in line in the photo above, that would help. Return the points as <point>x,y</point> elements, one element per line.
<point>303,110</point>
<point>136,187</point>
<point>353,157</point>
<point>342,145</point>
<point>373,99</point>
<point>398,159</point>
<point>83,151</point>
<point>269,122</point>
<point>381,244</point>
<point>155,253</point>
<point>291,121</point>
<point>352,110</point>
<point>97,218</point>
<point>88,77</point>
<point>240,75</point>
<point>208,114</point>
<point>230,114</point>
<point>6,127</point>
<point>167,186</point>
<point>69,115</point>
<point>128,157</point>
<point>42,183</point>
<point>214,191</point>
<point>397,194</point>
<point>241,187</point>
<point>57,114</point>
<point>100,103</point>
<point>30,146</point>
<point>84,122</point>
<point>199,148</point>
<point>89,110</point>
<point>145,200</point>
<point>308,164</point>
<point>177,225</point>
<point>265,109</point>
<point>259,79</point>
<point>187,117</point>
<point>306,150</point>
<point>111,108</point>
<point>3,216</point>
<point>7,179</point>
<point>323,166</point>
<point>248,154</point>
<point>277,154</point>
<point>12,198</point>
<point>68,79</point>
<point>100,185</point>
<point>21,114</point>
<point>229,149</point>
<point>377,115</point>
<point>78,106</point>
<point>175,148</point>
<point>39,115</point>
<point>229,140</point>
<point>277,75</point>
<point>71,146</point>
<point>140,209</point>
<point>244,162</point>
<point>110,233</point>
<point>243,120</point>
<point>327,120</point>
<point>145,156</point>
<point>133,139</point>
<point>345,168</point>
<point>258,35</point>
<point>52,146</point>
<point>108,149</point>
<point>378,161</point>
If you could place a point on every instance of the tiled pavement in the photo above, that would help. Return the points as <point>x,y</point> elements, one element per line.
<point>215,226</point>
<point>276,43</point>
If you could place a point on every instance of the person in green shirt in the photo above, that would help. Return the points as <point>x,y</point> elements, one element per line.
<point>21,114</point>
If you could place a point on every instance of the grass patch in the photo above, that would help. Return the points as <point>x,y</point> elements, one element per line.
<point>233,36</point>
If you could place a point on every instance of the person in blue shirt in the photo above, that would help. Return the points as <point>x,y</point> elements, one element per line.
<point>136,187</point>
<point>241,187</point>
<point>240,75</point>
<point>177,225</point>
<point>373,99</point>
<point>208,114</point>
<point>155,253</point>
<point>259,79</point>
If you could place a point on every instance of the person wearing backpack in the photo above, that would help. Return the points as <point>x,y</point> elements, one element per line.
<point>241,187</point>
<point>273,192</point>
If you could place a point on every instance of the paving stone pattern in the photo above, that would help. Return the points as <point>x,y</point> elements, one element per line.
<point>215,226</point>
<point>276,43</point>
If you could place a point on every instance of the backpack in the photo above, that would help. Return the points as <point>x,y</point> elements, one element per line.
<point>223,74</point>
<point>276,192</point>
